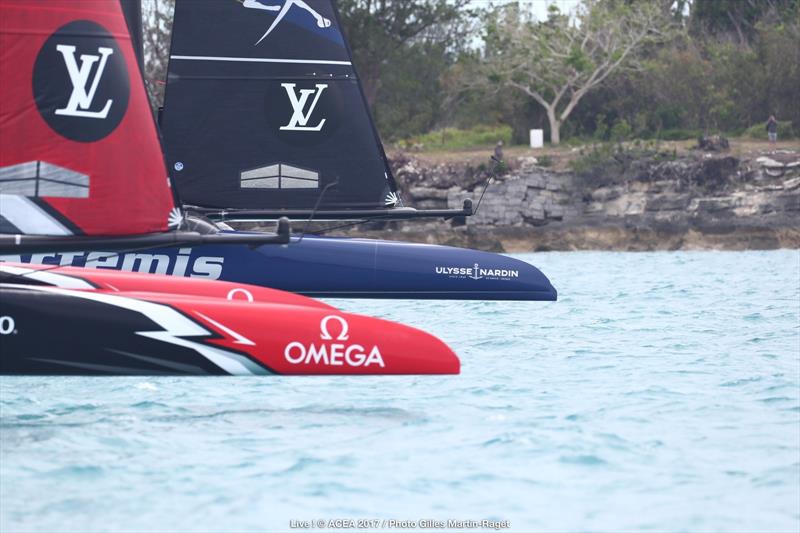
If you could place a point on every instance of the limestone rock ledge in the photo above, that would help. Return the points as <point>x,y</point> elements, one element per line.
<point>694,202</point>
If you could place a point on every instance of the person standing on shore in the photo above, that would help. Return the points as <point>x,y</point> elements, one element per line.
<point>772,129</point>
<point>498,151</point>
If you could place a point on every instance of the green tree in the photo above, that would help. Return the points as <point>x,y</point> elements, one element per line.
<point>779,52</point>
<point>712,18</point>
<point>381,30</point>
<point>558,61</point>
<point>156,32</point>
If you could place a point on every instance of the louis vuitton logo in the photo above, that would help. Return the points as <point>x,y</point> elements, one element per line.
<point>300,117</point>
<point>81,98</point>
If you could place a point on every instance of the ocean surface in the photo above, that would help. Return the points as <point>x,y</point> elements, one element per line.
<point>660,393</point>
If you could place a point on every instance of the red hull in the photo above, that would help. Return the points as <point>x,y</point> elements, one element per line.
<point>235,328</point>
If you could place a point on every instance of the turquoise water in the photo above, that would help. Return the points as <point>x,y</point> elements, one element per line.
<point>661,393</point>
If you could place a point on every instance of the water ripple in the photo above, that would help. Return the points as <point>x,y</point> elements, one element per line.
<point>665,383</point>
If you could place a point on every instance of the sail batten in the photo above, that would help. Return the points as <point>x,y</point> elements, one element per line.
<point>261,60</point>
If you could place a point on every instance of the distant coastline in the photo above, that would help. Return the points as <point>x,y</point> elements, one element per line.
<point>598,238</point>
<point>674,197</point>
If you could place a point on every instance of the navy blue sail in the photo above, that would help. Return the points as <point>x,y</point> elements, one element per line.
<point>263,110</point>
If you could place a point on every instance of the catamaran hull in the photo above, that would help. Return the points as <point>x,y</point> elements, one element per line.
<point>337,267</point>
<point>88,322</point>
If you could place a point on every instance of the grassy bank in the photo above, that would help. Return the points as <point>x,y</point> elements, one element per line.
<point>563,157</point>
<point>457,139</point>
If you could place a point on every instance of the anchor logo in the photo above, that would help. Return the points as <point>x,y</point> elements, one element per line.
<point>475,272</point>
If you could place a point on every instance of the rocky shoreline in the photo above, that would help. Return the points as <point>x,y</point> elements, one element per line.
<point>637,202</point>
<point>692,202</point>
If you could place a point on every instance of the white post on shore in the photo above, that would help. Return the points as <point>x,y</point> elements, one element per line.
<point>537,138</point>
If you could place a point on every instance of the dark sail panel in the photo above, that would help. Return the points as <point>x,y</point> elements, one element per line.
<point>263,110</point>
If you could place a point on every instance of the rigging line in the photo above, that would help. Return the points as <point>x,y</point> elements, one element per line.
<point>316,206</point>
<point>488,182</point>
<point>347,225</point>
<point>387,216</point>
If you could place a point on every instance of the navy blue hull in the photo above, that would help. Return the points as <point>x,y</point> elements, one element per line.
<point>337,267</point>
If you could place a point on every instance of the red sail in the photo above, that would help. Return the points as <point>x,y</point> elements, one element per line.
<point>79,152</point>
